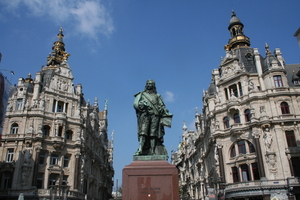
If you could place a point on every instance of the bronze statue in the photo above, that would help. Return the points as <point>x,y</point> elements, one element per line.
<point>152,116</point>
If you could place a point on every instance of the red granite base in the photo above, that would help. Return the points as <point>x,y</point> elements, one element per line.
<point>150,180</point>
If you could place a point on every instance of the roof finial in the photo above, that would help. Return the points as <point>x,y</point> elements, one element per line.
<point>233,13</point>
<point>268,52</point>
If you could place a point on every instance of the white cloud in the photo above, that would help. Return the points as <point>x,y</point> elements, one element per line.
<point>169,97</point>
<point>88,17</point>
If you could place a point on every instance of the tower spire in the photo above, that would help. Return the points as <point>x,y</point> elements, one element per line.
<point>58,54</point>
<point>238,39</point>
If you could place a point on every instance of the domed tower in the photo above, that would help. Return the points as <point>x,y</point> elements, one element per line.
<point>238,39</point>
<point>58,54</point>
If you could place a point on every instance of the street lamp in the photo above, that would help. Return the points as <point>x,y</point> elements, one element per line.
<point>11,72</point>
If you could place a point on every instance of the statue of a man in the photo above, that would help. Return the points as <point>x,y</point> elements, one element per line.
<point>152,116</point>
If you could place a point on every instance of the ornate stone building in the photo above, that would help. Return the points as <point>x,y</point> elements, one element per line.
<point>54,143</point>
<point>247,139</point>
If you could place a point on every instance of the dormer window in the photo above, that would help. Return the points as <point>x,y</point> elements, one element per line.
<point>248,56</point>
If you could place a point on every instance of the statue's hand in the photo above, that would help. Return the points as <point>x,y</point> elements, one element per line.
<point>143,105</point>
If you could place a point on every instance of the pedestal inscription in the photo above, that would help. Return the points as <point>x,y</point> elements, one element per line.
<point>155,180</point>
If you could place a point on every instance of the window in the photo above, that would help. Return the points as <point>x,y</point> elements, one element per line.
<point>236,118</point>
<point>66,161</point>
<point>290,138</point>
<point>7,180</point>
<point>59,106</point>
<point>278,81</point>
<point>296,166</point>
<point>233,89</point>
<point>60,130</point>
<point>85,186</point>
<point>69,134</point>
<point>235,174</point>
<point>40,181</point>
<point>14,128</point>
<point>247,115</point>
<point>19,104</point>
<point>226,122</point>
<point>232,152</point>
<point>54,159</point>
<point>42,160</point>
<point>242,147</point>
<point>226,93</point>
<point>241,89</point>
<point>245,172</point>
<point>52,179</point>
<point>10,155</point>
<point>255,171</point>
<point>248,56</point>
<point>284,108</point>
<point>65,180</point>
<point>295,81</point>
<point>46,130</point>
<point>251,147</point>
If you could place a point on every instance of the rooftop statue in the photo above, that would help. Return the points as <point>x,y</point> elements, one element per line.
<point>152,116</point>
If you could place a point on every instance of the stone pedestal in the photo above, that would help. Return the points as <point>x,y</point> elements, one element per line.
<point>150,180</point>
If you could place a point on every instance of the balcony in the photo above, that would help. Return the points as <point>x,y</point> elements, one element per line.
<point>257,185</point>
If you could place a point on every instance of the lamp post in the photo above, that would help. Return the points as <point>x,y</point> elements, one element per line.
<point>10,71</point>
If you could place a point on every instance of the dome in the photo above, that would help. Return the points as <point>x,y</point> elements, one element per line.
<point>234,18</point>
<point>234,21</point>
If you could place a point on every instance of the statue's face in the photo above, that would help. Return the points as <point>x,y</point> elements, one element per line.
<point>150,85</point>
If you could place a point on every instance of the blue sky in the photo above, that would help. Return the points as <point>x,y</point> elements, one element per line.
<point>116,45</point>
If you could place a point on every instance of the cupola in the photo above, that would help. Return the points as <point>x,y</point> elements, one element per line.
<point>238,39</point>
<point>58,54</point>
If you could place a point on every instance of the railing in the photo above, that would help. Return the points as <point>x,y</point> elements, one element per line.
<point>263,183</point>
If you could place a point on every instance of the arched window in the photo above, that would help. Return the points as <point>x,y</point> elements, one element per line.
<point>247,115</point>
<point>236,118</point>
<point>241,147</point>
<point>226,122</point>
<point>46,130</point>
<point>285,108</point>
<point>14,128</point>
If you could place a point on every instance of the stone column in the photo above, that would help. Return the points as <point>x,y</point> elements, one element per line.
<point>228,93</point>
<point>76,171</point>
<point>47,173</point>
<point>259,69</point>
<point>238,90</point>
<point>56,104</point>
<point>36,166</point>
<point>290,164</point>
<point>259,154</point>
<point>221,163</point>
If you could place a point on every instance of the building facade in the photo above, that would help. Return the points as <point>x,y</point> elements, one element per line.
<point>247,139</point>
<point>54,143</point>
